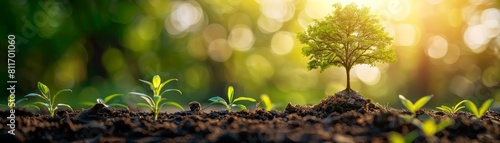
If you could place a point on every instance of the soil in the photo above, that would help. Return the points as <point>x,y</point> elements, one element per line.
<point>341,118</point>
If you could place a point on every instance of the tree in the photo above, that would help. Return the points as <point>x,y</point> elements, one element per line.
<point>347,37</point>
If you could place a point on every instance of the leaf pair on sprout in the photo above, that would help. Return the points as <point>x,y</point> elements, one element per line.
<point>479,113</point>
<point>49,99</point>
<point>157,102</point>
<point>231,104</point>
<point>414,107</point>
<point>452,109</point>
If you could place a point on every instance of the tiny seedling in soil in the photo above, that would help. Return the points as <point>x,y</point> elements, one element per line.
<point>230,95</point>
<point>106,100</point>
<point>478,112</point>
<point>267,102</point>
<point>452,109</point>
<point>429,126</point>
<point>413,108</point>
<point>49,99</point>
<point>157,102</point>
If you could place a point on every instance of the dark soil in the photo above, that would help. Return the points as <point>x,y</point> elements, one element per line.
<point>340,118</point>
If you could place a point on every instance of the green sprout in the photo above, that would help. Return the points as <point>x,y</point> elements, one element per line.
<point>478,112</point>
<point>230,95</point>
<point>429,126</point>
<point>49,100</point>
<point>267,101</point>
<point>106,100</point>
<point>413,108</point>
<point>157,102</point>
<point>395,137</point>
<point>452,109</point>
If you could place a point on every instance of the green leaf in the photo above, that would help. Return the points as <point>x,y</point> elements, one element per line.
<point>445,109</point>
<point>422,101</point>
<point>486,105</point>
<point>242,107</point>
<point>118,105</point>
<point>149,83</point>
<point>44,89</point>
<point>395,137</point>
<point>166,82</point>
<point>36,95</point>
<point>156,81</point>
<point>42,103</point>
<point>109,97</point>
<point>472,108</point>
<point>230,94</point>
<point>64,105</point>
<point>267,101</point>
<point>171,103</point>
<point>59,92</point>
<point>148,99</point>
<point>244,99</point>
<point>407,103</point>
<point>217,99</point>
<point>168,90</point>
<point>21,100</point>
<point>145,105</point>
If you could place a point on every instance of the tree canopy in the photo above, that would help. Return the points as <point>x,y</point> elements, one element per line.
<point>350,35</point>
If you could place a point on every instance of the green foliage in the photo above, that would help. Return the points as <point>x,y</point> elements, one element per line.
<point>348,36</point>
<point>157,102</point>
<point>395,137</point>
<point>230,95</point>
<point>49,100</point>
<point>429,126</point>
<point>106,100</point>
<point>413,108</point>
<point>267,101</point>
<point>452,109</point>
<point>478,112</point>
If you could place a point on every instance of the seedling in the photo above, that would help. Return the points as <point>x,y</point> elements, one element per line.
<point>478,112</point>
<point>429,126</point>
<point>267,101</point>
<point>157,102</point>
<point>106,100</point>
<point>413,108</point>
<point>452,109</point>
<point>395,137</point>
<point>49,99</point>
<point>230,95</point>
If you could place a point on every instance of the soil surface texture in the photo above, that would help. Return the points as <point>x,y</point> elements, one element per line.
<point>342,117</point>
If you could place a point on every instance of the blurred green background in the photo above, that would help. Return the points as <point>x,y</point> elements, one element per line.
<point>100,47</point>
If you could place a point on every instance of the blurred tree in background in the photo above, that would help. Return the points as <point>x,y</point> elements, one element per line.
<point>447,48</point>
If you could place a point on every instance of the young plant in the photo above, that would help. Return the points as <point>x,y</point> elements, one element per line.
<point>413,108</point>
<point>49,99</point>
<point>157,102</point>
<point>429,126</point>
<point>106,100</point>
<point>478,112</point>
<point>395,137</point>
<point>230,95</point>
<point>452,109</point>
<point>267,102</point>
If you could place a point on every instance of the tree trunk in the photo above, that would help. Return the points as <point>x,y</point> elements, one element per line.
<point>347,69</point>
